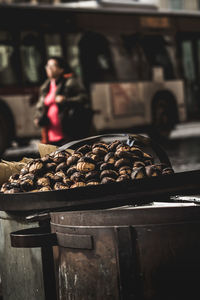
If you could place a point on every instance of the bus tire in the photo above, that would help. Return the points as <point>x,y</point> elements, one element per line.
<point>164,115</point>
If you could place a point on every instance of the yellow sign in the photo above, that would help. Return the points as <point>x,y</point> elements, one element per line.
<point>155,22</point>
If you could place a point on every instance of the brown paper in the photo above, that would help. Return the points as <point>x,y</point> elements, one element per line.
<point>8,168</point>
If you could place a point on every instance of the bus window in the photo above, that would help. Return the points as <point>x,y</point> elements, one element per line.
<point>95,58</point>
<point>53,45</point>
<point>30,57</point>
<point>73,53</point>
<point>140,65</point>
<point>122,58</point>
<point>8,72</point>
<point>188,62</point>
<point>158,55</point>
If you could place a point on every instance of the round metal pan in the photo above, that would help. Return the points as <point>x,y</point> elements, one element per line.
<point>139,192</point>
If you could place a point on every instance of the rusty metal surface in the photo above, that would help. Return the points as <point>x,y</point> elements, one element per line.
<point>137,254</point>
<point>88,274</point>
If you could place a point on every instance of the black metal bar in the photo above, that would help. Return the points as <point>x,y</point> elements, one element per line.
<point>33,237</point>
<point>48,273</point>
<point>127,263</point>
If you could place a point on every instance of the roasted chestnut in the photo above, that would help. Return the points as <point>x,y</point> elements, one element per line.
<point>50,167</point>
<point>84,149</point>
<point>122,162</point>
<point>107,180</point>
<point>125,170</point>
<point>60,186</point>
<point>112,146</point>
<point>106,166</point>
<point>110,158</point>
<point>85,164</point>
<point>138,173</point>
<point>93,156</point>
<point>136,151</point>
<point>152,171</point>
<point>109,173</point>
<point>13,177</point>
<point>13,191</point>
<point>93,183</point>
<point>123,178</point>
<point>27,185</point>
<point>148,158</point>
<point>77,176</point>
<point>71,170</point>
<point>100,149</point>
<point>45,189</point>
<point>36,167</point>
<point>72,160</point>
<point>43,181</point>
<point>92,175</point>
<point>167,171</point>
<point>138,163</point>
<point>77,184</point>
<point>61,167</point>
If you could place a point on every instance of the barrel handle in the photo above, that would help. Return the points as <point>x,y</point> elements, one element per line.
<point>41,237</point>
<point>33,237</point>
<point>75,241</point>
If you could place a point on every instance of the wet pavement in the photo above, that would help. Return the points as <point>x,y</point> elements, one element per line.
<point>183,148</point>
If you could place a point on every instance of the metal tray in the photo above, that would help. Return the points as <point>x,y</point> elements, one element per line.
<point>139,192</point>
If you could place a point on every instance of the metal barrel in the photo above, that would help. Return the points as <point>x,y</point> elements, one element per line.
<point>24,271</point>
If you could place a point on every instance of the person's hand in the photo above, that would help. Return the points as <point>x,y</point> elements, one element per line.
<point>60,98</point>
<point>36,122</point>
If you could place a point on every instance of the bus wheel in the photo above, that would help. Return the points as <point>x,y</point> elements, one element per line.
<point>4,136</point>
<point>163,118</point>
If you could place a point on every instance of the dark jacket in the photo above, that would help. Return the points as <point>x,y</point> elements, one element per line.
<point>74,112</point>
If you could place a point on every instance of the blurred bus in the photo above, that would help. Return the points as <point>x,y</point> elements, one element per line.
<point>140,65</point>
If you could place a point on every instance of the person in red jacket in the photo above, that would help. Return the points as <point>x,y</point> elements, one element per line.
<point>60,96</point>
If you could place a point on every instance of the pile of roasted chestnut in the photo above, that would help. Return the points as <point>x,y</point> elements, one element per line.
<point>99,163</point>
